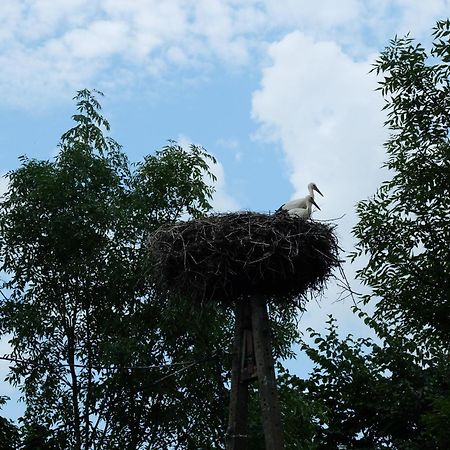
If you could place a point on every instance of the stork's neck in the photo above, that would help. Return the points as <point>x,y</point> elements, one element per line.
<point>311,191</point>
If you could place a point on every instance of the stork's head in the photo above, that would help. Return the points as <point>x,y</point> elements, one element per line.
<point>313,187</point>
<point>310,200</point>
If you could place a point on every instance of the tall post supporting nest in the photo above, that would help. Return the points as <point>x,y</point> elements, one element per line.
<point>239,259</point>
<point>253,360</point>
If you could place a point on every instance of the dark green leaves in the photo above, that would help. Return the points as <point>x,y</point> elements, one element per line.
<point>389,394</point>
<point>405,228</point>
<point>393,392</point>
<point>83,304</point>
<point>177,178</point>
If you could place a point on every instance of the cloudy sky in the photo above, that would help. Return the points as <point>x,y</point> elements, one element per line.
<point>277,90</point>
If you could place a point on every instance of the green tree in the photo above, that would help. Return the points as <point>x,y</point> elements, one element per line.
<point>93,340</point>
<point>404,228</point>
<point>392,394</point>
<point>9,433</point>
<point>105,360</point>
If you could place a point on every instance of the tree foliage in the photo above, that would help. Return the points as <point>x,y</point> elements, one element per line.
<point>102,360</point>
<point>404,228</point>
<point>9,433</point>
<point>105,360</point>
<point>394,392</point>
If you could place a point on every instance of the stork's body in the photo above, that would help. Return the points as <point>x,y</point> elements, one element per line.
<point>304,213</point>
<point>301,203</point>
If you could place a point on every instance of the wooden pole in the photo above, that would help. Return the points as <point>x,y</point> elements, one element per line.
<point>236,436</point>
<point>270,408</point>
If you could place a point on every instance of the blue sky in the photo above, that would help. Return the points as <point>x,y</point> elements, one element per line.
<point>277,90</point>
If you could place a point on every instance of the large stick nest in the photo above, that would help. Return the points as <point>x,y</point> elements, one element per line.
<point>229,257</point>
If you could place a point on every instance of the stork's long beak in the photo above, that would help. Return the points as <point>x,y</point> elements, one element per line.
<point>315,204</point>
<point>317,189</point>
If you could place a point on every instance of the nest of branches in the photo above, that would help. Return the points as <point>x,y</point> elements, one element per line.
<point>229,257</point>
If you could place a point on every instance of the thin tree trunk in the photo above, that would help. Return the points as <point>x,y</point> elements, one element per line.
<point>87,403</point>
<point>74,385</point>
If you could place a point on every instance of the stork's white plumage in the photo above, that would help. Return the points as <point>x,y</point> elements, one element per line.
<point>301,203</point>
<point>304,213</point>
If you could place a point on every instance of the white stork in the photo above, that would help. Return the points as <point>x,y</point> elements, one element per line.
<point>304,213</point>
<point>301,203</point>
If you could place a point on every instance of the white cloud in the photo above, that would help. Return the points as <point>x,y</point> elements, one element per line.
<point>49,49</point>
<point>101,39</point>
<point>418,17</point>
<point>328,14</point>
<point>231,145</point>
<point>53,48</point>
<point>222,201</point>
<point>4,181</point>
<point>321,105</point>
